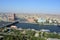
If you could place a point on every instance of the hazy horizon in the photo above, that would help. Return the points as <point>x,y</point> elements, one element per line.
<point>30,6</point>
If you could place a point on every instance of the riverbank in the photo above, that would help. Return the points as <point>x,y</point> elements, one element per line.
<point>56,24</point>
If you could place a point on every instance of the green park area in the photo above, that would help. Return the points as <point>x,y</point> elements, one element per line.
<point>14,34</point>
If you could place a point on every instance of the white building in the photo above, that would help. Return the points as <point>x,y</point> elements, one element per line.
<point>41,20</point>
<point>37,34</point>
<point>50,21</point>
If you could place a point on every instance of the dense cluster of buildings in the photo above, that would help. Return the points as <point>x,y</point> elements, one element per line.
<point>7,17</point>
<point>30,18</point>
<point>44,20</point>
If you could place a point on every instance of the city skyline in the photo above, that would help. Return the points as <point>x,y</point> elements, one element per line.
<point>30,6</point>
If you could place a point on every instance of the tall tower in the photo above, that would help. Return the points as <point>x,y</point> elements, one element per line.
<point>14,16</point>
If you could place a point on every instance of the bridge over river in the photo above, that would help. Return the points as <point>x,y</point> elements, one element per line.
<point>7,24</point>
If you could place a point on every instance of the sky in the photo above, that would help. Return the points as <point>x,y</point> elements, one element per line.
<point>30,6</point>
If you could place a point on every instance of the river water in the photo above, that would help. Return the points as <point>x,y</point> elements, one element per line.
<point>52,28</point>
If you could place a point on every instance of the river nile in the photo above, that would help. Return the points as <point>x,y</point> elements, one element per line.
<point>52,28</point>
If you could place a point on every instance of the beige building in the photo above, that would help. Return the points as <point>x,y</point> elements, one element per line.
<point>30,20</point>
<point>11,17</point>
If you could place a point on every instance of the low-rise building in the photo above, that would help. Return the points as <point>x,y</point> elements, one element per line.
<point>37,34</point>
<point>14,27</point>
<point>50,21</point>
<point>30,20</point>
<point>41,20</point>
